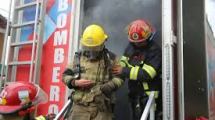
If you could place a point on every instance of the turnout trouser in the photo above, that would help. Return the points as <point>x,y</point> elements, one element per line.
<point>80,112</point>
<point>138,104</point>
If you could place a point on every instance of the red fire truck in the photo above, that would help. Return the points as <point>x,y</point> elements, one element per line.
<point>43,35</point>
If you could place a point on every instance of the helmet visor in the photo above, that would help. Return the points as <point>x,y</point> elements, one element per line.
<point>41,96</point>
<point>97,48</point>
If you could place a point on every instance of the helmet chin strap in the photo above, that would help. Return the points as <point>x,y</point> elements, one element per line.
<point>151,37</point>
<point>26,109</point>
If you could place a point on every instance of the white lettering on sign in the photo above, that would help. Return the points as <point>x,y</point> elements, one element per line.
<point>60,38</point>
<point>56,74</point>
<point>58,55</point>
<point>63,5</point>
<point>54,93</point>
<point>53,108</point>
<point>61,20</point>
<point>59,43</point>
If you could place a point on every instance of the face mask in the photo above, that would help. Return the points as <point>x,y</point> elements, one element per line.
<point>93,55</point>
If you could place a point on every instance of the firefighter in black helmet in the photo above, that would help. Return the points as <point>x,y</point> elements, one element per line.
<point>141,64</point>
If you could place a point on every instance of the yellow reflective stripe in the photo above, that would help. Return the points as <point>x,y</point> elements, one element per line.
<point>134,73</point>
<point>156,93</point>
<point>145,86</point>
<point>40,118</point>
<point>150,70</point>
<point>124,62</point>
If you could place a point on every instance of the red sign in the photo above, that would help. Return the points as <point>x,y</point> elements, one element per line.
<point>55,54</point>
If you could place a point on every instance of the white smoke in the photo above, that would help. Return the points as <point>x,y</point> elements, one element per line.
<point>115,15</point>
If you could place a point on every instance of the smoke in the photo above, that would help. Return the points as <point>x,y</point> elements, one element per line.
<point>115,15</point>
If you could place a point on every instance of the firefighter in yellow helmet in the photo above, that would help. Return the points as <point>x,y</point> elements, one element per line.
<point>141,66</point>
<point>19,99</point>
<point>91,79</point>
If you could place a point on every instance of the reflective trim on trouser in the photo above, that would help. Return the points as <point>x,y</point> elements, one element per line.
<point>145,86</point>
<point>40,118</point>
<point>156,93</point>
<point>80,112</point>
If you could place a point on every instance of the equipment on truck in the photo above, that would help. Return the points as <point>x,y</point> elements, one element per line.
<point>15,28</point>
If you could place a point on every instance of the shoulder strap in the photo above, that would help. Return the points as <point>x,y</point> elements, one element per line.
<point>108,57</point>
<point>77,64</point>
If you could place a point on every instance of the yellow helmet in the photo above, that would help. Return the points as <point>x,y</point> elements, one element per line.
<point>93,36</point>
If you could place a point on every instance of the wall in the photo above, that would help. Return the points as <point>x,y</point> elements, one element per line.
<point>210,50</point>
<point>195,79</point>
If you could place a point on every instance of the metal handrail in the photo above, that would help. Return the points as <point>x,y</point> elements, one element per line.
<point>63,110</point>
<point>63,114</point>
<point>150,107</point>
